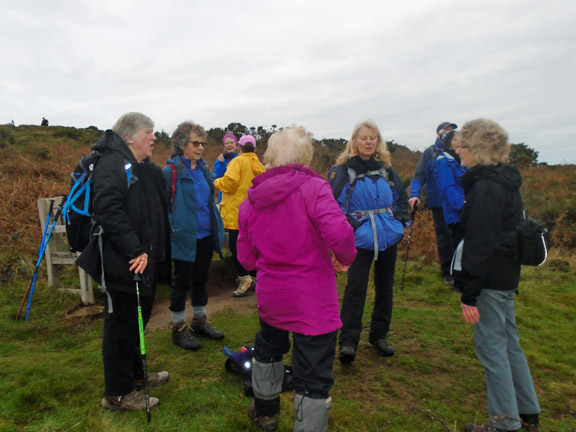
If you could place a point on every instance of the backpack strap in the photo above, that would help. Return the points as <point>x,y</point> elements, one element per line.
<point>173,175</point>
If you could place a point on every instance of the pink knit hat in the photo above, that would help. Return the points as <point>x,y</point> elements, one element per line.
<point>247,139</point>
<point>229,135</point>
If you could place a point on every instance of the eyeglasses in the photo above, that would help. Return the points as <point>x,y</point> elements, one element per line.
<point>197,143</point>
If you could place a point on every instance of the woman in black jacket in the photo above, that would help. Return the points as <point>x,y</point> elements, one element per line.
<point>488,274</point>
<point>129,205</point>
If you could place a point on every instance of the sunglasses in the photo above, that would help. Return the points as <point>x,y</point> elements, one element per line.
<point>197,143</point>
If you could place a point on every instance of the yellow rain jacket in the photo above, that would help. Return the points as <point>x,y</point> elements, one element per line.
<point>234,185</point>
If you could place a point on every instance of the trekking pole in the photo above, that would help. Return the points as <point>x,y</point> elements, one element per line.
<point>137,278</point>
<point>33,280</point>
<point>412,217</point>
<point>46,240</point>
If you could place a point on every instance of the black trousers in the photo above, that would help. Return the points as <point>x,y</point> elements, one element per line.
<point>121,341</point>
<point>192,276</point>
<point>443,241</point>
<point>355,296</point>
<point>232,240</point>
<point>312,358</point>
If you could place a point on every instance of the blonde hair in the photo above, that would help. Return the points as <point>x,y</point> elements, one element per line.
<point>486,140</point>
<point>382,152</point>
<point>292,145</point>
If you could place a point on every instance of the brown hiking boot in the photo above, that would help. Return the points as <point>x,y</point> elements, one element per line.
<point>155,379</point>
<point>263,422</point>
<point>244,284</point>
<point>201,327</point>
<point>182,336</point>
<point>134,401</point>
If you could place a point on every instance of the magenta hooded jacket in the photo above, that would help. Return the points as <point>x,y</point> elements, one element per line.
<point>288,226</point>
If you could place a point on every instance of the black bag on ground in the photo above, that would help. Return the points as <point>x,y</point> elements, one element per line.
<point>533,242</point>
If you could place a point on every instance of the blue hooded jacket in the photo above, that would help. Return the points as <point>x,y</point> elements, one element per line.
<point>448,172</point>
<point>182,212</point>
<point>380,230</point>
<point>424,175</point>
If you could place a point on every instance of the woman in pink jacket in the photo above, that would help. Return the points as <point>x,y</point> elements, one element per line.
<point>289,226</point>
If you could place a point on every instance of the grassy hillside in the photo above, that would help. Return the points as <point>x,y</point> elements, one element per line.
<point>37,161</point>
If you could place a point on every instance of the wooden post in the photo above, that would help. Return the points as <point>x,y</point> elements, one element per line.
<point>58,253</point>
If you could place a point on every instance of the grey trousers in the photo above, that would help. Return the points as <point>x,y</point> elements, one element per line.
<point>509,386</point>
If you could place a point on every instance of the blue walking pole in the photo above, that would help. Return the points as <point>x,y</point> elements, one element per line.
<point>47,239</point>
<point>40,253</point>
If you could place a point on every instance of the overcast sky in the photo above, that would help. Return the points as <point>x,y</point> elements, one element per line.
<point>322,64</point>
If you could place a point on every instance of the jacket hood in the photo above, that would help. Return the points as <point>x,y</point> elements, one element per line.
<point>112,141</point>
<point>277,183</point>
<point>175,159</point>
<point>255,163</point>
<point>504,174</point>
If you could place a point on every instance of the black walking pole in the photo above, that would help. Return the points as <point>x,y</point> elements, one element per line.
<point>40,253</point>
<point>412,217</point>
<point>137,278</point>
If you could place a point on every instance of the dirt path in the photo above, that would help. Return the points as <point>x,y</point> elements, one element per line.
<point>219,297</point>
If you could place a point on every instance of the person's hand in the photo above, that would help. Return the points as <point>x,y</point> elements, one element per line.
<point>338,266</point>
<point>412,201</point>
<point>470,313</point>
<point>139,264</point>
<point>221,157</point>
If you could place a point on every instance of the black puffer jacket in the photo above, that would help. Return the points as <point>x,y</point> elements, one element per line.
<point>131,210</point>
<point>492,210</point>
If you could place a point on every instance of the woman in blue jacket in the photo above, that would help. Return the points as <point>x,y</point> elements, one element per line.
<point>196,232</point>
<point>374,200</point>
<point>448,172</point>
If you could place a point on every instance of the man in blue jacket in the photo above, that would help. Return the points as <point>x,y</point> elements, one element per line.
<point>424,175</point>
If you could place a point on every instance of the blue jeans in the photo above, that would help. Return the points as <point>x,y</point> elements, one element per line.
<point>509,386</point>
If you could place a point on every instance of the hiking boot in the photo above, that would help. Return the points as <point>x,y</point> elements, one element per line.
<point>347,354</point>
<point>134,401</point>
<point>155,379</point>
<point>253,284</point>
<point>263,422</point>
<point>244,284</point>
<point>182,336</point>
<point>530,422</point>
<point>201,327</point>
<point>383,348</point>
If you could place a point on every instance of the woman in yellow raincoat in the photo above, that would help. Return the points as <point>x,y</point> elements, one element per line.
<point>234,186</point>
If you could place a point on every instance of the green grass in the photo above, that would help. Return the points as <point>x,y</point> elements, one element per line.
<point>51,376</point>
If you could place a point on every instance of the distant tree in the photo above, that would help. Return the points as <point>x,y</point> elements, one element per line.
<point>237,129</point>
<point>274,128</point>
<point>392,146</point>
<point>162,138</point>
<point>334,144</point>
<point>522,156</point>
<point>216,134</point>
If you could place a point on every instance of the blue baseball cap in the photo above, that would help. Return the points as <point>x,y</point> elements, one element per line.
<point>444,125</point>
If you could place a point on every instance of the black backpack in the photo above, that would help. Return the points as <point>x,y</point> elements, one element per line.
<point>533,241</point>
<point>77,209</point>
